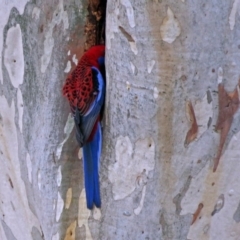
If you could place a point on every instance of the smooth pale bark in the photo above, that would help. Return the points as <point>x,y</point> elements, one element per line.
<point>165,60</point>
<point>167,64</point>
<point>40,171</point>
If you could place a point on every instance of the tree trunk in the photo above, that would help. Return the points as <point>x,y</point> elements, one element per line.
<point>40,172</point>
<point>171,67</point>
<point>169,168</point>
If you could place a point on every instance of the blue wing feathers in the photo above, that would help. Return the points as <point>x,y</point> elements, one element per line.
<point>85,123</point>
<point>100,95</point>
<point>92,149</point>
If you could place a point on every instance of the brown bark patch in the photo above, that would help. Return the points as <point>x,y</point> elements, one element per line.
<point>192,132</point>
<point>197,212</point>
<point>228,105</point>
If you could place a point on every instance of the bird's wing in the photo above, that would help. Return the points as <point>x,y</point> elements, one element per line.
<point>85,118</point>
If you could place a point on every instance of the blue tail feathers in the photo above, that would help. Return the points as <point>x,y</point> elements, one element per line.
<point>91,162</point>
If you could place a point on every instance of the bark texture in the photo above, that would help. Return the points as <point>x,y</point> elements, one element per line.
<point>40,171</point>
<point>166,62</point>
<point>171,118</point>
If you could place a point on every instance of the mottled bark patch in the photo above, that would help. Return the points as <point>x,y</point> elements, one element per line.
<point>192,132</point>
<point>228,105</point>
<point>197,212</point>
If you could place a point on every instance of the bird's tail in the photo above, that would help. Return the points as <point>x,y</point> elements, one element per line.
<point>91,162</point>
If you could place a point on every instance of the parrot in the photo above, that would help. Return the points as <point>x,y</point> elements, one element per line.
<point>85,90</point>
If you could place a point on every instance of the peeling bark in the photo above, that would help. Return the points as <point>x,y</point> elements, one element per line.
<point>159,55</point>
<point>197,213</point>
<point>228,105</point>
<point>193,131</point>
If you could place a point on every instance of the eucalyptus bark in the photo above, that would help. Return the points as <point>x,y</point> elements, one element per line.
<point>171,118</point>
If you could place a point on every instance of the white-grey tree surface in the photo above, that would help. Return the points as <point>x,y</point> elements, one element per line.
<point>170,163</point>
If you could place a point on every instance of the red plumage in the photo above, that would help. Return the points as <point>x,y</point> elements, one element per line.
<point>79,86</point>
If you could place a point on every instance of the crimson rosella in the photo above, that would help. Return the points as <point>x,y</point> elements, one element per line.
<point>85,91</point>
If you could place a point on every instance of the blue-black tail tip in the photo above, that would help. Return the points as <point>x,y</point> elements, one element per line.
<point>90,206</point>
